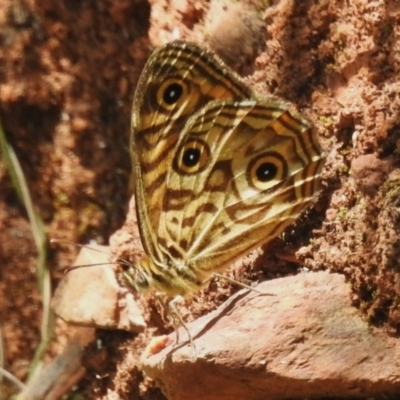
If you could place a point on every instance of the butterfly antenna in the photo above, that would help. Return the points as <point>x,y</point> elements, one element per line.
<point>84,246</point>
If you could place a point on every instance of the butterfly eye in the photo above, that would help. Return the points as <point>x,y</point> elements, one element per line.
<point>170,92</point>
<point>265,170</point>
<point>192,157</point>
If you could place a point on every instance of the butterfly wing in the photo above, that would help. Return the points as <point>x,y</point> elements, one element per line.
<point>178,80</point>
<point>241,173</point>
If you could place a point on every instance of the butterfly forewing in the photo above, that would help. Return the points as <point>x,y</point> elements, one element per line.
<point>178,80</point>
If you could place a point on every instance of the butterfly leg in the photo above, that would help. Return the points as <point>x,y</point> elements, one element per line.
<point>172,305</point>
<point>171,311</point>
<point>220,276</point>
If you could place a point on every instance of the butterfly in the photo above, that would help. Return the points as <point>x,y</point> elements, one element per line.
<point>218,169</point>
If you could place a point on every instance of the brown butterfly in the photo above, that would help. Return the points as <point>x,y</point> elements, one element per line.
<point>218,170</point>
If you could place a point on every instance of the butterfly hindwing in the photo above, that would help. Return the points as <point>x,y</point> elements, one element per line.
<point>237,178</point>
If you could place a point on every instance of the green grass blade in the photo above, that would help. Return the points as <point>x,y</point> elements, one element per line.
<point>20,185</point>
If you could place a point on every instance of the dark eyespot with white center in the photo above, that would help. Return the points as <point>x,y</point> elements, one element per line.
<point>192,157</point>
<point>266,170</point>
<point>171,93</point>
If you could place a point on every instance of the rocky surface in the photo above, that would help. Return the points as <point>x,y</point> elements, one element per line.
<point>90,295</point>
<point>306,341</point>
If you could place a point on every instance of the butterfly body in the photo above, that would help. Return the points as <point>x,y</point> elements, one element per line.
<point>218,170</point>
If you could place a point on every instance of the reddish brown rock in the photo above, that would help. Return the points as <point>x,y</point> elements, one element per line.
<point>306,341</point>
<point>369,172</point>
<point>234,31</point>
<point>92,297</point>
